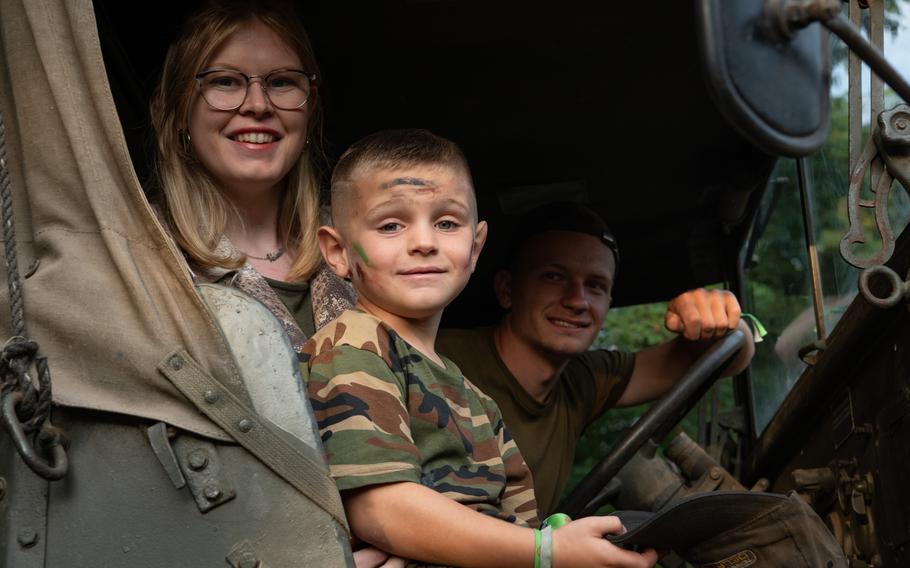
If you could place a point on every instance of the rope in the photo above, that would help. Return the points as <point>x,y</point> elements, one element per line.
<point>17,309</point>
<point>19,353</point>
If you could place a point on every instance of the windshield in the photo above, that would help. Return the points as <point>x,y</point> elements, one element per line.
<point>778,280</point>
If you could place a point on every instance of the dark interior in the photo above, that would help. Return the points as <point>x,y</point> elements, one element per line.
<point>599,102</point>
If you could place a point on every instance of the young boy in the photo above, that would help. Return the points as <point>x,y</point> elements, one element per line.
<point>425,465</point>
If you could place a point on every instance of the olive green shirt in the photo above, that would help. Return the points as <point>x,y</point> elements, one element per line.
<point>546,432</point>
<point>296,298</point>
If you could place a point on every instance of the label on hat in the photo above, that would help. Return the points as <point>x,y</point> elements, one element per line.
<point>738,560</point>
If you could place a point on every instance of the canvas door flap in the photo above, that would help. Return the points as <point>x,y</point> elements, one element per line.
<point>111,295</point>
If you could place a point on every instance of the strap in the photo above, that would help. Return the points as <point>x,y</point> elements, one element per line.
<point>295,462</point>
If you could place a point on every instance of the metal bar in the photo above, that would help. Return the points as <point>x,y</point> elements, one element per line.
<point>655,423</point>
<point>805,197</point>
<point>702,437</point>
<point>742,383</point>
<point>877,90</point>
<point>855,94</point>
<point>714,441</point>
<point>870,54</point>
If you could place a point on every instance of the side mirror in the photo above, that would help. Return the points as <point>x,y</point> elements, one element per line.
<point>774,90</point>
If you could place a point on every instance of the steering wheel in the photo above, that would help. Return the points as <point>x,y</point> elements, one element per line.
<point>663,415</point>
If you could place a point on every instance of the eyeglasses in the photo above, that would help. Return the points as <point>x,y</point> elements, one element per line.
<point>225,89</point>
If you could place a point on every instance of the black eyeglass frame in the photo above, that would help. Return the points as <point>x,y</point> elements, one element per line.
<point>263,80</point>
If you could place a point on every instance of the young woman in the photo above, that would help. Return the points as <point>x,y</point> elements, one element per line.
<point>236,119</point>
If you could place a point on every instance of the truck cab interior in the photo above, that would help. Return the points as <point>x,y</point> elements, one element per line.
<point>621,108</point>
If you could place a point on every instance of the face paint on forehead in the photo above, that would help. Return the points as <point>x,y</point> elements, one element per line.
<point>414,181</point>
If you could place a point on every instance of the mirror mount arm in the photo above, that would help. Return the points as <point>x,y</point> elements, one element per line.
<point>785,17</point>
<point>870,54</point>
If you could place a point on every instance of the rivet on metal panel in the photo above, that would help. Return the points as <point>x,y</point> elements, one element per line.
<point>197,460</point>
<point>715,473</point>
<point>27,537</point>
<point>243,555</point>
<point>211,396</point>
<point>208,481</point>
<point>176,362</point>
<point>245,425</point>
<point>212,492</point>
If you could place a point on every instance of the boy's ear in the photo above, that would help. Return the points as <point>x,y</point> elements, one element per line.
<point>502,285</point>
<point>480,237</point>
<point>333,250</point>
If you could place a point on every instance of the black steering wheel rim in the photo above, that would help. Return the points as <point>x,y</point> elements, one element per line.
<point>659,419</point>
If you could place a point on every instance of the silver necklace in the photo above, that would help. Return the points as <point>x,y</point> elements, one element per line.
<point>269,256</point>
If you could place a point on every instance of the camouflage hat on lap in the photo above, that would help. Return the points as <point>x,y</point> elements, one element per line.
<point>736,529</point>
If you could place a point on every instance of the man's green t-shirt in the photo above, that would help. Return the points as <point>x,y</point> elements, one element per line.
<point>546,433</point>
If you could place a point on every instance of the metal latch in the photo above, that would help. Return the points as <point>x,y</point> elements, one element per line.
<point>194,462</point>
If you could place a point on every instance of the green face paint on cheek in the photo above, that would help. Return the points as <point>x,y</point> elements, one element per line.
<point>361,253</point>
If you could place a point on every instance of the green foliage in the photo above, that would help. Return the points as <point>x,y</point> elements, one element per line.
<point>634,327</point>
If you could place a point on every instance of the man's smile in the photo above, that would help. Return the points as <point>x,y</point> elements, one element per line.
<point>569,323</point>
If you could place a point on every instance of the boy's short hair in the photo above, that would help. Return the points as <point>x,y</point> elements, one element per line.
<point>390,150</point>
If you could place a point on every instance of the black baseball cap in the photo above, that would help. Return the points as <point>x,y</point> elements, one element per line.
<point>563,216</point>
<point>736,529</point>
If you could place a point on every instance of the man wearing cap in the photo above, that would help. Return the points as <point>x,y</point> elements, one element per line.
<point>536,362</point>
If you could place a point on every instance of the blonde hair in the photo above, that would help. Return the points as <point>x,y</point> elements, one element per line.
<point>195,209</point>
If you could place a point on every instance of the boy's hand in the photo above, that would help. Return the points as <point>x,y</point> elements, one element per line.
<point>370,557</point>
<point>703,314</point>
<point>581,543</point>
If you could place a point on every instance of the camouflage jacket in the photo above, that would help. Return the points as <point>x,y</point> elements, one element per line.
<point>386,413</point>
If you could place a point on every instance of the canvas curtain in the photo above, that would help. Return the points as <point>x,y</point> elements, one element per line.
<point>111,295</point>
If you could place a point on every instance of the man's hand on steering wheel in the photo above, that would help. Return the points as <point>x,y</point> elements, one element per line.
<point>703,314</point>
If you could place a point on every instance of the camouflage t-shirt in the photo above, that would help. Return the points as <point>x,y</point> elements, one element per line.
<point>387,414</point>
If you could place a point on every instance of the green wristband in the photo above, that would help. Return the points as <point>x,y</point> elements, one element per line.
<point>536,548</point>
<point>546,547</point>
<point>760,331</point>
